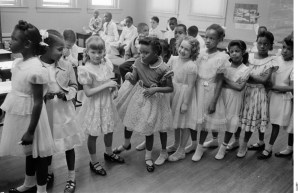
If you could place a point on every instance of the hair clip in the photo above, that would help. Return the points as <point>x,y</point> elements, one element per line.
<point>44,35</point>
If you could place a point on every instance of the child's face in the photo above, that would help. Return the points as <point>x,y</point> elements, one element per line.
<point>144,32</point>
<point>128,22</point>
<point>172,24</point>
<point>17,43</point>
<point>179,31</point>
<point>107,17</point>
<point>211,39</point>
<point>69,44</point>
<point>287,52</point>
<point>55,51</point>
<point>96,55</point>
<point>184,50</point>
<point>96,14</point>
<point>236,54</point>
<point>263,46</point>
<point>147,54</point>
<point>153,23</point>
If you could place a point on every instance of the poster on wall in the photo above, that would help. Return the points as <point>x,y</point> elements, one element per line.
<point>245,16</point>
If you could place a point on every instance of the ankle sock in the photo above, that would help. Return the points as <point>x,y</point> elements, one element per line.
<point>71,175</point>
<point>126,142</point>
<point>108,150</point>
<point>148,155</point>
<point>41,189</point>
<point>29,182</point>
<point>94,158</point>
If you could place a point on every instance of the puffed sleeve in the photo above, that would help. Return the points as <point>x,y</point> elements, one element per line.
<point>110,68</point>
<point>171,62</point>
<point>84,77</point>
<point>223,61</point>
<point>39,75</point>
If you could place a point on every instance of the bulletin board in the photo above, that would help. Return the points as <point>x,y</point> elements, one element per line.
<point>281,18</point>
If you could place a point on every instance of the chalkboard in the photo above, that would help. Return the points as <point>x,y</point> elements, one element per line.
<point>281,18</point>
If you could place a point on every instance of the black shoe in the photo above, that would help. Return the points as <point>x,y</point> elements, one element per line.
<point>256,147</point>
<point>30,190</point>
<point>121,148</point>
<point>70,187</point>
<point>278,154</point>
<point>114,158</point>
<point>98,169</point>
<point>150,168</point>
<point>263,156</point>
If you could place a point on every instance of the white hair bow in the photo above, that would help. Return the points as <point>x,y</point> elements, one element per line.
<point>44,35</point>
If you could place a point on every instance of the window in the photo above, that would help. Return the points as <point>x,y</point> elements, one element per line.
<point>11,3</point>
<point>103,4</point>
<point>58,3</point>
<point>215,8</point>
<point>168,6</point>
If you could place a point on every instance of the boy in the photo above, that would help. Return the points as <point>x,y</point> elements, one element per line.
<point>154,31</point>
<point>194,32</point>
<point>180,30</point>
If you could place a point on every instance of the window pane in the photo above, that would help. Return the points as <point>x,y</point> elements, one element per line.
<point>103,2</point>
<point>213,8</point>
<point>164,5</point>
<point>57,3</point>
<point>8,2</point>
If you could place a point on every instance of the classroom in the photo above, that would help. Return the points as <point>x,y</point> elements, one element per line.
<point>147,96</point>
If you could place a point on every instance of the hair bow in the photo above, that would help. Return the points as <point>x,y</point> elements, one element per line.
<point>44,35</point>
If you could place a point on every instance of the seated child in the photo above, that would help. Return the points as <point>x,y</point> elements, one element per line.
<point>70,52</point>
<point>170,33</point>
<point>194,32</point>
<point>154,31</point>
<point>110,30</point>
<point>95,24</point>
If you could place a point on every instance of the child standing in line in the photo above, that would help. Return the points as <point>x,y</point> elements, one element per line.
<point>145,108</point>
<point>184,105</point>
<point>98,113</point>
<point>154,30</point>
<point>70,53</point>
<point>211,109</point>
<point>62,89</point>
<point>281,106</point>
<point>255,110</point>
<point>235,77</point>
<point>26,130</point>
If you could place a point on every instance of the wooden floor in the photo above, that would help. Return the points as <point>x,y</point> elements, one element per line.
<point>247,175</point>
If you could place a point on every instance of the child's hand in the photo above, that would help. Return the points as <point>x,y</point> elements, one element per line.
<point>27,139</point>
<point>62,96</point>
<point>128,76</point>
<point>115,94</point>
<point>212,107</point>
<point>49,96</point>
<point>66,52</point>
<point>168,74</point>
<point>111,84</point>
<point>149,92</point>
<point>183,108</point>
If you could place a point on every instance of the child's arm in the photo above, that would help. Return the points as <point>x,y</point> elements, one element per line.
<point>191,81</point>
<point>218,88</point>
<point>166,89</point>
<point>72,86</point>
<point>284,89</point>
<point>36,112</point>
<point>262,79</point>
<point>91,24</point>
<point>90,91</point>
<point>132,77</point>
<point>239,86</point>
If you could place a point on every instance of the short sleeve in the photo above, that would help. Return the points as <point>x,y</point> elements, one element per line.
<point>223,61</point>
<point>39,76</point>
<point>171,62</point>
<point>110,68</point>
<point>84,77</point>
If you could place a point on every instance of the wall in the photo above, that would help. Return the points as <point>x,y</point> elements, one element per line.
<point>60,19</point>
<point>265,8</point>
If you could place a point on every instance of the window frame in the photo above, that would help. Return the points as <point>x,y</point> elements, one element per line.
<point>221,16</point>
<point>15,3</point>
<point>116,5</point>
<point>176,11</point>
<point>71,4</point>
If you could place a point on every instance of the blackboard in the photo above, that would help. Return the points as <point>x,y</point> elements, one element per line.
<point>281,18</point>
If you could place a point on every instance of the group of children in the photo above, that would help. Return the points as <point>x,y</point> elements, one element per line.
<point>198,88</point>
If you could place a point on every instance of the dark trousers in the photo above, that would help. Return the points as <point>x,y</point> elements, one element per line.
<point>125,67</point>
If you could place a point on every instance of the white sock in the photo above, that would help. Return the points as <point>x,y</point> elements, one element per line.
<point>41,189</point>
<point>163,151</point>
<point>71,175</point>
<point>109,150</point>
<point>94,158</point>
<point>290,147</point>
<point>261,142</point>
<point>29,182</point>
<point>50,169</point>
<point>148,155</point>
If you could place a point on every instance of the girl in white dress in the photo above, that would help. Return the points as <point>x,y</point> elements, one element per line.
<point>26,130</point>
<point>255,110</point>
<point>98,114</point>
<point>62,89</point>
<point>211,109</point>
<point>280,104</point>
<point>235,77</point>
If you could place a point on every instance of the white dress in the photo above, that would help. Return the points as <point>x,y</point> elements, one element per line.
<point>98,113</point>
<point>61,115</point>
<point>18,106</point>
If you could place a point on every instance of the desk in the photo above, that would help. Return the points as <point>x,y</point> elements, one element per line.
<point>5,70</point>
<point>5,87</point>
<point>5,55</point>
<point>83,36</point>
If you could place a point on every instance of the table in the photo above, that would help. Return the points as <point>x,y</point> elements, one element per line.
<point>5,70</point>
<point>83,36</point>
<point>5,55</point>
